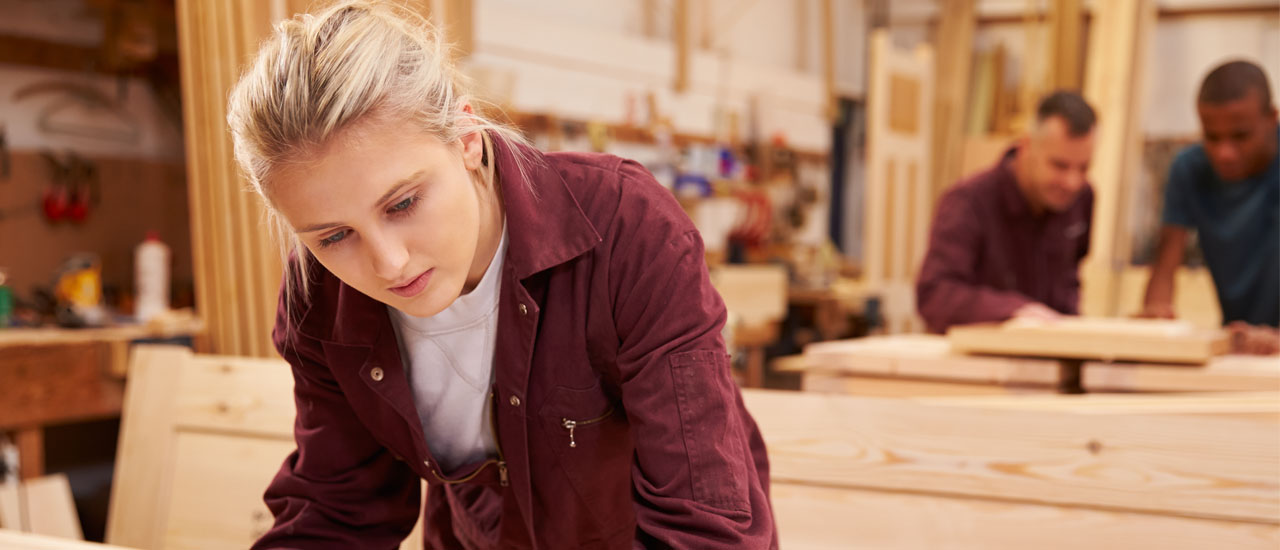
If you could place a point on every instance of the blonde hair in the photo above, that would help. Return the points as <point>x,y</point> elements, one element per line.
<point>318,75</point>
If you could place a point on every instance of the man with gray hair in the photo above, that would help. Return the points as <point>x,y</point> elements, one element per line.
<point>1008,242</point>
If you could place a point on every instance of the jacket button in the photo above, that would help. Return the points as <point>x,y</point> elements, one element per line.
<point>376,374</point>
<point>515,401</point>
<point>524,310</point>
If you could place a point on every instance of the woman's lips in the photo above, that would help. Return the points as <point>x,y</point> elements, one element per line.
<point>415,286</point>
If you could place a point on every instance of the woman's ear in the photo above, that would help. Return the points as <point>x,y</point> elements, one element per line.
<point>472,139</point>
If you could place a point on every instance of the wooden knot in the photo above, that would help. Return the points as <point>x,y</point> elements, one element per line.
<point>1094,446</point>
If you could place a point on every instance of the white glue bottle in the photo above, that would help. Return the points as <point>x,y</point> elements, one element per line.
<point>151,278</point>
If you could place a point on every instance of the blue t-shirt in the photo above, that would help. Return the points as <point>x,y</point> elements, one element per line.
<point>1238,224</point>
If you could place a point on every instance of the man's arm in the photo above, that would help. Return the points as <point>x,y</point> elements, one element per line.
<point>1158,302</point>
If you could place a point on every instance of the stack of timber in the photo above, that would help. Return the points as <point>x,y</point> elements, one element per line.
<point>912,365</point>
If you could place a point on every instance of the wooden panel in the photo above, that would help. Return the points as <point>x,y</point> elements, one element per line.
<point>12,540</point>
<point>912,227</point>
<point>928,357</point>
<point>831,518</point>
<point>1093,338</point>
<point>201,438</point>
<point>904,104</point>
<point>217,489</point>
<point>1203,467</point>
<point>1226,373</point>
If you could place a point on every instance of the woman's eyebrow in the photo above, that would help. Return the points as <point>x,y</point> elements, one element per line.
<point>396,188</point>
<point>385,197</point>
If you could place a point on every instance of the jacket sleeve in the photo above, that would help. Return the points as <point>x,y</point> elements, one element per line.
<point>948,292</point>
<point>700,475</point>
<point>340,488</point>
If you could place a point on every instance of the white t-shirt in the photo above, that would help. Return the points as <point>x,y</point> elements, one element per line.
<point>449,358</point>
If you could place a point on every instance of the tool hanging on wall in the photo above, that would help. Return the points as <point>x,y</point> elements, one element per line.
<point>109,120</point>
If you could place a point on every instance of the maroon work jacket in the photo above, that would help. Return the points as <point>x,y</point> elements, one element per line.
<point>990,254</point>
<point>607,319</point>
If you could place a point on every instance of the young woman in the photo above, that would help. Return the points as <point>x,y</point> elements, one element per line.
<point>533,334</point>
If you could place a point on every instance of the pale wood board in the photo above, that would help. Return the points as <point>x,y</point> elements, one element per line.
<point>10,507</point>
<point>829,518</point>
<point>51,510</point>
<point>927,357</point>
<point>1203,467</point>
<point>41,505</point>
<point>955,58</point>
<point>869,386</point>
<point>14,540</point>
<point>201,438</point>
<point>755,293</point>
<point>1224,373</point>
<point>1114,84</point>
<point>236,267</point>
<point>1256,404</point>
<point>1093,338</point>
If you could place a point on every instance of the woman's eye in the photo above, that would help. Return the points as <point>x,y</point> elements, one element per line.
<point>334,238</point>
<point>403,205</point>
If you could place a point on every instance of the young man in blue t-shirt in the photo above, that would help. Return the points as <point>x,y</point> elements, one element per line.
<point>1227,189</point>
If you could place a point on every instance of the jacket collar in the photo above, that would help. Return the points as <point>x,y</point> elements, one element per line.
<point>545,224</point>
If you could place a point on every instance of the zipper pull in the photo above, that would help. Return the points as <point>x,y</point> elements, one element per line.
<point>502,473</point>
<point>570,425</point>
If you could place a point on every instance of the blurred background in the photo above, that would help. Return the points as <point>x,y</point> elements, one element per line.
<point>808,140</point>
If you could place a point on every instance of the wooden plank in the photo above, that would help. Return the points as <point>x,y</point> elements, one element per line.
<point>1201,467</point>
<point>815,517</point>
<point>868,386</point>
<point>1226,373</point>
<point>30,443</point>
<point>145,446</point>
<point>952,73</point>
<point>680,32</point>
<point>1114,75</point>
<point>1153,340</point>
<point>1066,22</point>
<point>1256,404</point>
<point>50,508</point>
<point>11,515</point>
<point>13,540</point>
<point>927,357</point>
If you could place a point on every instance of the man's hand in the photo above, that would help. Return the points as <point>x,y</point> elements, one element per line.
<point>1253,340</point>
<point>1036,311</point>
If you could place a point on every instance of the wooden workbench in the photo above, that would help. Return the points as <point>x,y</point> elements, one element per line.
<point>53,375</point>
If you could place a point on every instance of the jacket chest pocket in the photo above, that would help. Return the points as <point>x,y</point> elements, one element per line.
<point>591,441</point>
